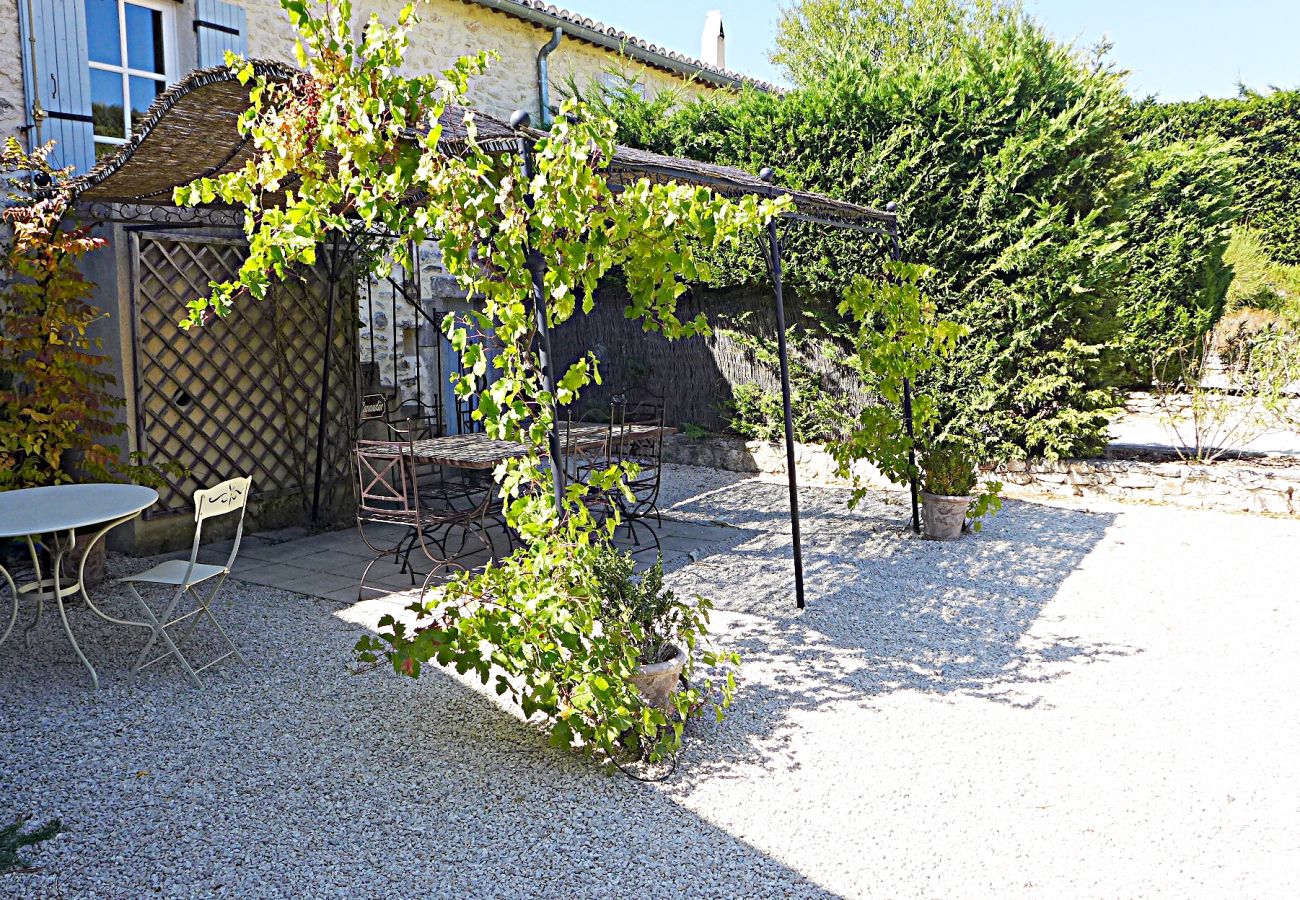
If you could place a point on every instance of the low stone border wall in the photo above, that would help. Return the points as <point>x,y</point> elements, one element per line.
<point>813,464</point>
<point>1233,486</point>
<point>1230,486</point>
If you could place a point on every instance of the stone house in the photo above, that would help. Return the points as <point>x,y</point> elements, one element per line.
<point>241,398</point>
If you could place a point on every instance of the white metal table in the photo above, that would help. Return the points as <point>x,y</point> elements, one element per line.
<point>58,511</point>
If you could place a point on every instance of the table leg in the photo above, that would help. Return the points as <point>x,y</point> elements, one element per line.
<point>81,576</point>
<point>40,593</point>
<point>13,616</point>
<point>56,563</point>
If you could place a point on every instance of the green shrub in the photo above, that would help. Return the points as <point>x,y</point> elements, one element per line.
<point>1177,225</point>
<point>759,414</point>
<point>14,839</point>
<point>1009,164</point>
<point>654,621</point>
<point>947,469</point>
<point>1267,129</point>
<point>1258,281</point>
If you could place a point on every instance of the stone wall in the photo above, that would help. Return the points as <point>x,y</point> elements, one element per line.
<point>1230,486</point>
<point>11,74</point>
<point>813,464</point>
<point>1271,487</point>
<point>450,28</point>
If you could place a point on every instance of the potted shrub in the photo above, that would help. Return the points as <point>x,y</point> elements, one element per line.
<point>949,476</point>
<point>660,628</point>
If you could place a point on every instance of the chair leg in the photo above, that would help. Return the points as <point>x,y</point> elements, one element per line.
<point>229,643</point>
<point>637,520</point>
<point>13,591</point>
<point>160,633</point>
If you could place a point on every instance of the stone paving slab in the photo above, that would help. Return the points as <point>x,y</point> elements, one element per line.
<point>329,565</point>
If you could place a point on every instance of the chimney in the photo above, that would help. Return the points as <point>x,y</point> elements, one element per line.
<point>713,42</point>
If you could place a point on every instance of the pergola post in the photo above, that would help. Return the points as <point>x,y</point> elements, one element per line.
<point>774,260</point>
<point>537,268</point>
<point>896,254</point>
<point>327,365</point>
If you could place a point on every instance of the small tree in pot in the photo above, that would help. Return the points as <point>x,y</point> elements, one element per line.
<point>899,339</point>
<point>949,475</point>
<point>662,629</point>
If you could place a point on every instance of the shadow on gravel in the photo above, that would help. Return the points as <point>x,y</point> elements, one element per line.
<point>289,777</point>
<point>890,612</point>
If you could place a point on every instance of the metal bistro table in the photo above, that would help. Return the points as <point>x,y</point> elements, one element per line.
<point>478,451</point>
<point>58,511</point>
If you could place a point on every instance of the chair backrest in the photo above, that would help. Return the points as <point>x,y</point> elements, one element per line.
<point>638,437</point>
<point>374,416</point>
<point>386,479</point>
<point>219,500</point>
<point>414,419</point>
<point>584,453</point>
<point>465,421</point>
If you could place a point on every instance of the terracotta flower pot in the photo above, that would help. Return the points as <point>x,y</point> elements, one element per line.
<point>657,682</point>
<point>943,517</point>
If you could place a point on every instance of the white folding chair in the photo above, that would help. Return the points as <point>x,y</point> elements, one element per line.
<point>228,497</point>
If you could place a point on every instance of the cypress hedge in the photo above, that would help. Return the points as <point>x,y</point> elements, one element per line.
<point>1266,129</point>
<point>1079,235</point>
<point>1010,164</point>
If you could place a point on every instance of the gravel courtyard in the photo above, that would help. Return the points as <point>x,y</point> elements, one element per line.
<point>1072,703</point>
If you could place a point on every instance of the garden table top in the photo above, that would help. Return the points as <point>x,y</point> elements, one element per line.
<point>59,511</point>
<point>478,451</point>
<point>464,451</point>
<point>61,507</point>
<point>585,435</point>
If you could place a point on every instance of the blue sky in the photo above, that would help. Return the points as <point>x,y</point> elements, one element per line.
<point>1178,49</point>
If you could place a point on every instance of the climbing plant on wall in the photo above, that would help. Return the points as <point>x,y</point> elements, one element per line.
<point>360,143</point>
<point>56,402</point>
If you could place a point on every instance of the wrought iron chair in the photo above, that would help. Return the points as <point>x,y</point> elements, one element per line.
<point>637,436</point>
<point>414,419</point>
<point>184,576</point>
<point>390,495</point>
<point>583,457</point>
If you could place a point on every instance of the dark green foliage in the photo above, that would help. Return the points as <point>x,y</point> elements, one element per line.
<point>13,839</point>
<point>947,469</point>
<point>653,617</point>
<point>812,35</point>
<point>1259,282</point>
<point>759,415</point>
<point>1009,164</point>
<point>1177,227</point>
<point>1267,129</point>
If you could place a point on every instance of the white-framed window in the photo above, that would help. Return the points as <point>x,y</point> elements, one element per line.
<point>617,82</point>
<point>132,48</point>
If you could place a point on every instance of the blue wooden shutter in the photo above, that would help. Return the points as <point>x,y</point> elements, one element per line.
<point>59,75</point>
<point>219,27</point>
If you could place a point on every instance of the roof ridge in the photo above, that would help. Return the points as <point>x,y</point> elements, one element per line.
<point>684,62</point>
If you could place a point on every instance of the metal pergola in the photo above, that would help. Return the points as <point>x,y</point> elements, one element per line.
<point>191,131</point>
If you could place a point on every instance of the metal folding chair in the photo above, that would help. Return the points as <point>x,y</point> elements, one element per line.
<point>184,576</point>
<point>389,494</point>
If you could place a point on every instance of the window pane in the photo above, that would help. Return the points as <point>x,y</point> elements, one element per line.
<point>101,29</point>
<point>144,39</point>
<point>102,150</point>
<point>143,90</point>
<point>106,103</point>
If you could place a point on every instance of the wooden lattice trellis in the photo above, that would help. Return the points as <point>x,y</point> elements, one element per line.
<point>239,396</point>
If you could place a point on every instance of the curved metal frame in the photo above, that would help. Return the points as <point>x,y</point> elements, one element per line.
<point>389,494</point>
<point>43,588</point>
